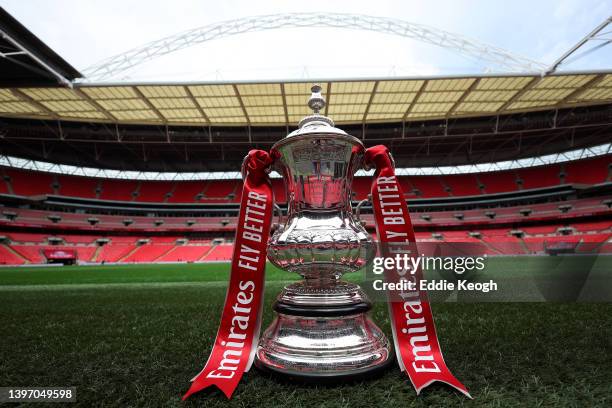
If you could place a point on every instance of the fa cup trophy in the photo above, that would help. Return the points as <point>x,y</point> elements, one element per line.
<point>322,328</point>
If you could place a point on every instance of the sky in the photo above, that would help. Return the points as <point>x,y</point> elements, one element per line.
<point>85,32</point>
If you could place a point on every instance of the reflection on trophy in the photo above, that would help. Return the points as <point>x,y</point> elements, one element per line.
<point>322,328</point>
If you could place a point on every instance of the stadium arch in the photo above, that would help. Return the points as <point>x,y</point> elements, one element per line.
<point>117,64</point>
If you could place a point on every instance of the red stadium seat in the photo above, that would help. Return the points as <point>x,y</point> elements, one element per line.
<point>278,189</point>
<point>154,191</point>
<point>148,253</point>
<point>72,186</point>
<point>185,253</point>
<point>220,253</point>
<point>8,256</point>
<point>221,190</point>
<point>114,252</point>
<point>118,190</point>
<point>361,187</point>
<point>498,182</point>
<point>186,191</point>
<point>462,184</point>
<point>541,176</point>
<point>30,183</point>
<point>428,186</point>
<point>589,171</point>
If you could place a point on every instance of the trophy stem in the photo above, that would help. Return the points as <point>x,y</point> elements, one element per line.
<point>320,282</point>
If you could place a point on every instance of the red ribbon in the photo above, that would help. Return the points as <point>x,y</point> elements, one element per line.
<point>414,332</point>
<point>236,342</point>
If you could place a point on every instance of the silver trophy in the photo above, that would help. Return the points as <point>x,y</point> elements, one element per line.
<point>322,328</point>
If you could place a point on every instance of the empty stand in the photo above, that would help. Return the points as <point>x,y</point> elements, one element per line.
<point>185,253</point>
<point>589,171</point>
<point>428,186</point>
<point>278,189</point>
<point>27,237</point>
<point>148,253</point>
<point>186,191</point>
<point>154,191</point>
<point>8,256</point>
<point>593,226</point>
<point>361,187</point>
<point>498,182</point>
<point>114,252</point>
<point>72,186</point>
<point>79,239</point>
<point>118,190</point>
<point>33,253</point>
<point>507,245</point>
<point>5,185</point>
<point>220,253</point>
<point>221,189</point>
<point>29,183</point>
<point>541,176</point>
<point>193,238</point>
<point>492,241</point>
<point>462,184</point>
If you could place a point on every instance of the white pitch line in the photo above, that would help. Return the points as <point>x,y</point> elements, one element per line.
<point>131,285</point>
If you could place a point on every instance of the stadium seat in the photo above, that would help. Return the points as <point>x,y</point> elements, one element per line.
<point>221,252</point>
<point>185,253</point>
<point>29,183</point>
<point>498,182</point>
<point>462,185</point>
<point>186,191</point>
<point>148,253</point>
<point>154,191</point>
<point>428,186</point>
<point>8,256</point>
<point>72,186</point>
<point>589,171</point>
<point>541,176</point>
<point>118,190</point>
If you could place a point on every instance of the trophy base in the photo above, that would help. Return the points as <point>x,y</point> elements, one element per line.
<point>369,373</point>
<point>324,348</point>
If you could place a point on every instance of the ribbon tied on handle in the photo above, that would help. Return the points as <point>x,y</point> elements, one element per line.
<point>414,332</point>
<point>236,341</point>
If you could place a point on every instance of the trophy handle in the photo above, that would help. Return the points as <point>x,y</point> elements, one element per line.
<point>358,210</point>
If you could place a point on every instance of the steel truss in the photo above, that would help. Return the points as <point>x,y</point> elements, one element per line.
<point>599,35</point>
<point>114,66</point>
<point>36,63</point>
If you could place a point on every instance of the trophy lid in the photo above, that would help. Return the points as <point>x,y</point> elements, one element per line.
<point>316,123</point>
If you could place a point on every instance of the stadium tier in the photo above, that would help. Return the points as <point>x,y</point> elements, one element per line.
<point>31,250</point>
<point>511,231</point>
<point>31,184</point>
<point>67,222</point>
<point>512,212</point>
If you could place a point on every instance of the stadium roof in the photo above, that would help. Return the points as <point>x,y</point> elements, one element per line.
<point>26,60</point>
<point>284,103</point>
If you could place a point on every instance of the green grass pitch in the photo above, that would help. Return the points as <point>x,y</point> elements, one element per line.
<point>135,335</point>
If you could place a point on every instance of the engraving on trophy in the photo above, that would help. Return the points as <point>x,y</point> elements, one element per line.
<point>322,328</point>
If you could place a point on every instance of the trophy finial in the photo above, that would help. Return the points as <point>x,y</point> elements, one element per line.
<point>316,101</point>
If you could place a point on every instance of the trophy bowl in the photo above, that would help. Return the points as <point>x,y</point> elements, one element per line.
<point>322,328</point>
